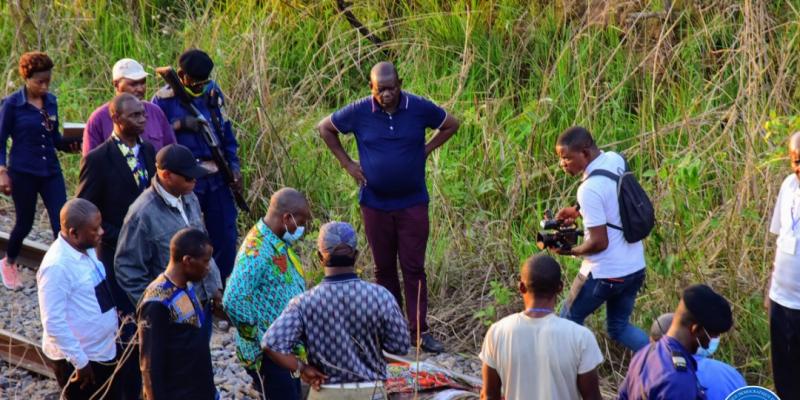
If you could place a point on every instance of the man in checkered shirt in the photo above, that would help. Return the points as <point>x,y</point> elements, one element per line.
<point>344,323</point>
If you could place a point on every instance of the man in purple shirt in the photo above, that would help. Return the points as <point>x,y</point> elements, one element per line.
<point>389,127</point>
<point>129,77</point>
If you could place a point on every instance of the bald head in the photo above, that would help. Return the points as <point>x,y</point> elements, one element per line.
<point>288,201</point>
<point>794,141</point>
<point>76,214</point>
<point>119,102</point>
<point>383,70</point>
<point>661,326</point>
<point>541,275</point>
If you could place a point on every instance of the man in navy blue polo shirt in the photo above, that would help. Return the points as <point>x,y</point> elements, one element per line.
<point>389,127</point>
<point>666,370</point>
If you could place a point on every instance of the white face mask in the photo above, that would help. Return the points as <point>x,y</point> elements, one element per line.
<point>290,238</point>
<point>713,345</point>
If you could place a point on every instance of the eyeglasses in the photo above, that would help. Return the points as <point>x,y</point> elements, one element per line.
<point>47,123</point>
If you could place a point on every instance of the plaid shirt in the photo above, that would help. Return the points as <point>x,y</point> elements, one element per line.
<point>266,275</point>
<point>344,323</point>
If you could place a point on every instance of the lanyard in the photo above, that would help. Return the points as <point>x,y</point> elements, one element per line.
<point>539,310</point>
<point>791,210</point>
<point>96,269</point>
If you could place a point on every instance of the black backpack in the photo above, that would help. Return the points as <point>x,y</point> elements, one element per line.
<point>635,208</point>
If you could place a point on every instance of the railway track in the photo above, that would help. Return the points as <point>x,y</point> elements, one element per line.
<point>15,349</point>
<point>21,352</point>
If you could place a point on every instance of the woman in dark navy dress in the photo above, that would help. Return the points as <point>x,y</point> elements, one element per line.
<point>29,117</point>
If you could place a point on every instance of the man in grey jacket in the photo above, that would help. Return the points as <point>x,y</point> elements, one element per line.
<point>166,207</point>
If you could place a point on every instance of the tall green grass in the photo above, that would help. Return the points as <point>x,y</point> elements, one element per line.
<point>686,99</point>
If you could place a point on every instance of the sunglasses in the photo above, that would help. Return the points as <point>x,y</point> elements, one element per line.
<point>186,178</point>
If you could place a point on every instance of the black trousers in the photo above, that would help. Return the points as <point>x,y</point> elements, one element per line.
<point>72,391</point>
<point>26,188</point>
<point>784,333</point>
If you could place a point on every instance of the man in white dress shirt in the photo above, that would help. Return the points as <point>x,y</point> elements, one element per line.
<point>78,314</point>
<point>783,301</point>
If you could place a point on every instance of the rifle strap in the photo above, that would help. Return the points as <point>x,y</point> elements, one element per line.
<point>213,108</point>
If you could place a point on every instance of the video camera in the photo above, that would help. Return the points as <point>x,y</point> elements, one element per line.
<point>561,236</point>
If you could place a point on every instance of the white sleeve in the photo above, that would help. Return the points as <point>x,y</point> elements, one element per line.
<point>53,288</point>
<point>591,356</point>
<point>591,202</point>
<point>488,353</point>
<point>775,226</point>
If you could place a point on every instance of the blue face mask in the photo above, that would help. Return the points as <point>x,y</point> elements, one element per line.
<point>713,345</point>
<point>290,238</point>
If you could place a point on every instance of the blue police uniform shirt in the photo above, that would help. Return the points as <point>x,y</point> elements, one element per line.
<point>656,373</point>
<point>173,109</point>
<point>719,379</point>
<point>391,148</point>
<point>33,150</point>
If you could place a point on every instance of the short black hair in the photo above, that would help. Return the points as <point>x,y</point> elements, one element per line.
<point>542,275</point>
<point>76,213</point>
<point>576,138</point>
<point>190,242</point>
<point>118,103</point>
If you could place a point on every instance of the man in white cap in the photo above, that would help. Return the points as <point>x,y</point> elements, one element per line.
<point>128,77</point>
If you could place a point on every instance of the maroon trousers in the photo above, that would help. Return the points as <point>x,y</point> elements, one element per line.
<point>401,234</point>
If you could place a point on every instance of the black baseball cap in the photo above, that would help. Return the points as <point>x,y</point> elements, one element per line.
<point>196,63</point>
<point>179,159</point>
<point>709,308</point>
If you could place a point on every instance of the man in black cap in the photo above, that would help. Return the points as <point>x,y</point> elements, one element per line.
<point>162,210</point>
<point>666,369</point>
<point>719,378</point>
<point>214,195</point>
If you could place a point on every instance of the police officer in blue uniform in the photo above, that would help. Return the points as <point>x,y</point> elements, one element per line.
<point>666,370</point>
<point>216,198</point>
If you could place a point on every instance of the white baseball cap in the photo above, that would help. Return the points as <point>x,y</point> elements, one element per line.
<point>128,68</point>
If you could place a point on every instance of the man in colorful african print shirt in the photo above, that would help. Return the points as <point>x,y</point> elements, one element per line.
<point>175,357</point>
<point>266,275</point>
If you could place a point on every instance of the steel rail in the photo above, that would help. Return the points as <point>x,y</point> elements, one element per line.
<point>15,349</point>
<point>31,254</point>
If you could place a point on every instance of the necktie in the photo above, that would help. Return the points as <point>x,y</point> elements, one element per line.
<point>139,172</point>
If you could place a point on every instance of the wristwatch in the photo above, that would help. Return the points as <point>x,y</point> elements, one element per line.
<point>299,370</point>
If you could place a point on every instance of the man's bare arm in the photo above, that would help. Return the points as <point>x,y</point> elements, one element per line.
<point>446,131</point>
<point>329,134</point>
<point>491,384</point>
<point>589,385</point>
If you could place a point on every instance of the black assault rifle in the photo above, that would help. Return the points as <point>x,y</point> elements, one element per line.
<point>171,77</point>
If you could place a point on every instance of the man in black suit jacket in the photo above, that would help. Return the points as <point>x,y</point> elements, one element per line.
<point>112,176</point>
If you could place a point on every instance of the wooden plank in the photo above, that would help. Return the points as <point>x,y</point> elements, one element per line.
<point>24,353</point>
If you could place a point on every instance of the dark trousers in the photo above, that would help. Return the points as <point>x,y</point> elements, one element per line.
<point>121,300</point>
<point>72,391</point>
<point>24,189</point>
<point>274,382</point>
<point>130,376</point>
<point>219,214</point>
<point>784,334</point>
<point>401,234</point>
<point>619,294</point>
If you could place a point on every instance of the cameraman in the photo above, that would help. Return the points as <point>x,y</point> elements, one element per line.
<point>612,270</point>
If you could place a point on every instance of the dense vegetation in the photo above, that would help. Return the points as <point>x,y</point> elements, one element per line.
<point>698,99</point>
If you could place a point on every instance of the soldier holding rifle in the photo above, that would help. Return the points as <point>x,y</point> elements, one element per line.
<point>199,121</point>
